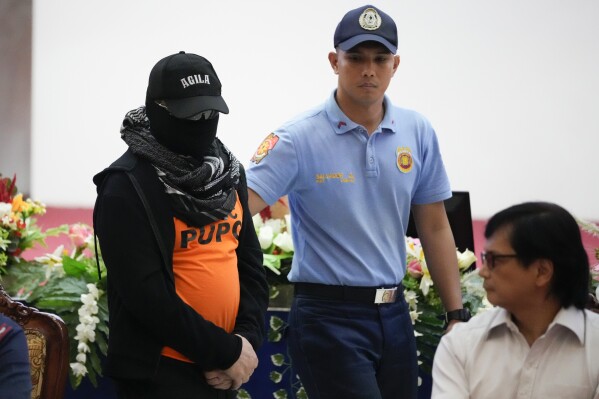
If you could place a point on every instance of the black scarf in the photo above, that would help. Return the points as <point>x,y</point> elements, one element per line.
<point>200,192</point>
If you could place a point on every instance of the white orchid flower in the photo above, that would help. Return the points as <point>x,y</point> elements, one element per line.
<point>81,357</point>
<point>284,241</point>
<point>5,209</point>
<point>414,316</point>
<point>86,329</point>
<point>82,347</point>
<point>413,247</point>
<point>426,282</point>
<point>4,243</point>
<point>54,258</point>
<point>88,299</point>
<point>85,333</point>
<point>465,259</point>
<point>275,224</point>
<point>411,298</point>
<point>265,237</point>
<point>53,262</point>
<point>258,222</point>
<point>79,370</point>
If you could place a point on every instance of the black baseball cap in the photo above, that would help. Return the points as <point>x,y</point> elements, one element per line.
<point>366,23</point>
<point>187,84</point>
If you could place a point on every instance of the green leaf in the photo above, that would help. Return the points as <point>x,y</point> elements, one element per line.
<point>278,359</point>
<point>75,381</point>
<point>276,323</point>
<point>272,262</point>
<point>94,361</point>
<point>275,376</point>
<point>280,394</point>
<point>101,342</point>
<point>243,394</point>
<point>57,305</point>
<point>301,394</point>
<point>73,267</point>
<point>274,292</point>
<point>55,231</point>
<point>92,377</point>
<point>274,336</point>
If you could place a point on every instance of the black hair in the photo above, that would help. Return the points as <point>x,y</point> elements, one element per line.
<point>543,230</point>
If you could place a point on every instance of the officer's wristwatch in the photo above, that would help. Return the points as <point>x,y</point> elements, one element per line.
<point>458,314</point>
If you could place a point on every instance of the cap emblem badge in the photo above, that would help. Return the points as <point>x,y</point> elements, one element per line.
<point>370,19</point>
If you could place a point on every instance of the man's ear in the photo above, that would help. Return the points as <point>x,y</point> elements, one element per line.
<point>544,272</point>
<point>396,61</point>
<point>333,58</point>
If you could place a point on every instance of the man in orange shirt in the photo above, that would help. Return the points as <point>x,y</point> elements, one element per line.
<point>187,291</point>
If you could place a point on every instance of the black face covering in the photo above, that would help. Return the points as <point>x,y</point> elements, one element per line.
<point>182,136</point>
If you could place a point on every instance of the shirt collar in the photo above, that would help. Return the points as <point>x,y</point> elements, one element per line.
<point>342,124</point>
<point>570,318</point>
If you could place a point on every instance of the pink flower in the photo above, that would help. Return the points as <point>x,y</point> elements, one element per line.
<point>415,269</point>
<point>80,234</point>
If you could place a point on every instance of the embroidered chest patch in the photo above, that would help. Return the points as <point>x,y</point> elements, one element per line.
<point>404,159</point>
<point>267,145</point>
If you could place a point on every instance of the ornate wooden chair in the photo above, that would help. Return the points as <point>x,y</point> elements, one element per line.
<point>48,342</point>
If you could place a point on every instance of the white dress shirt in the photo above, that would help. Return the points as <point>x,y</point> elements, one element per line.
<point>488,358</point>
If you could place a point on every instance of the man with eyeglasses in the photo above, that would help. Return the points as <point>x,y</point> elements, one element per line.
<point>539,341</point>
<point>187,291</point>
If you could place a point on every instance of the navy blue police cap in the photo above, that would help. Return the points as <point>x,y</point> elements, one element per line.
<point>366,23</point>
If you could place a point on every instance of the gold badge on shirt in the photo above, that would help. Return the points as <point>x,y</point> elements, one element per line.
<point>404,159</point>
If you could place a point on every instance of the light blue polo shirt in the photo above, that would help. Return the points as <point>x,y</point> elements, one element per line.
<point>350,194</point>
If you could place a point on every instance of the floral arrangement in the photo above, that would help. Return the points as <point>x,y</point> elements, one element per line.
<point>18,231</point>
<point>593,230</point>
<point>425,303</point>
<point>67,283</point>
<point>274,235</point>
<point>64,282</point>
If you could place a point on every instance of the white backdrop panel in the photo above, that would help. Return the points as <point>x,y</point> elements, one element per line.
<point>511,87</point>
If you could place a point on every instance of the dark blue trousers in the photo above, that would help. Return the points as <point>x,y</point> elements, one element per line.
<point>353,350</point>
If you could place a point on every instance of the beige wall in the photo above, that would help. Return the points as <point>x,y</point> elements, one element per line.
<point>15,90</point>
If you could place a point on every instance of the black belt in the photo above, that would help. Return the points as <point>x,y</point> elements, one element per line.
<point>349,293</point>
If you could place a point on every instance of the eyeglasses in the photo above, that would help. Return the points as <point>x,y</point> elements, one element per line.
<point>208,114</point>
<point>489,258</point>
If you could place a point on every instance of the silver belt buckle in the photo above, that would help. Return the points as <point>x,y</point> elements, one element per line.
<point>385,295</point>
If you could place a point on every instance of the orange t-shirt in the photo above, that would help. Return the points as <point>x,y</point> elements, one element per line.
<point>205,270</point>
